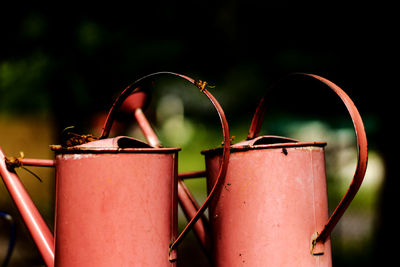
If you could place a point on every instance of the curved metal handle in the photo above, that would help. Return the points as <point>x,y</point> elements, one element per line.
<point>134,88</point>
<point>362,148</point>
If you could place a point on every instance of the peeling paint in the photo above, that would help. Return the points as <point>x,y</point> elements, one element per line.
<point>75,156</point>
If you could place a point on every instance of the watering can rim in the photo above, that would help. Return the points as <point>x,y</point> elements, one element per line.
<point>256,144</point>
<point>119,144</point>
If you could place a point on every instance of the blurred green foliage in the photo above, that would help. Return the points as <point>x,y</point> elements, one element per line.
<point>22,85</point>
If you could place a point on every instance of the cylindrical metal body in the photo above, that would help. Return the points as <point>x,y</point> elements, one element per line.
<point>115,208</point>
<point>271,203</point>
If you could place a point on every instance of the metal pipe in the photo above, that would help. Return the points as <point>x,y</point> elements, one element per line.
<point>38,162</point>
<point>32,218</point>
<point>189,207</point>
<point>145,126</point>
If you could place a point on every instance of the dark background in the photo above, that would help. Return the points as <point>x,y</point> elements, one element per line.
<point>72,60</point>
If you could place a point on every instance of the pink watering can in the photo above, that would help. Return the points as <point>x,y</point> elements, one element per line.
<point>116,198</point>
<point>272,208</point>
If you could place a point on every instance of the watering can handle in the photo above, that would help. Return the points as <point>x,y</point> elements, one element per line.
<point>133,88</point>
<point>361,146</point>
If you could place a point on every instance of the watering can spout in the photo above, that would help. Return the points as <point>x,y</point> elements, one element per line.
<point>40,232</point>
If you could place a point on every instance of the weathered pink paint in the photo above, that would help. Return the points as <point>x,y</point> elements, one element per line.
<point>272,201</point>
<point>115,207</point>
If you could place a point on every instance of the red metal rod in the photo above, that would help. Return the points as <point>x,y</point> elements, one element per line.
<point>38,162</point>
<point>144,125</point>
<point>189,207</point>
<point>33,220</point>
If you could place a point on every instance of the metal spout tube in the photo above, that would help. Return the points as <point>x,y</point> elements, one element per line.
<point>37,227</point>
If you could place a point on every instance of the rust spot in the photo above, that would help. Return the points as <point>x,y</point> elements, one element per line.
<point>13,162</point>
<point>226,186</point>
<point>240,255</point>
<point>230,140</point>
<point>317,248</point>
